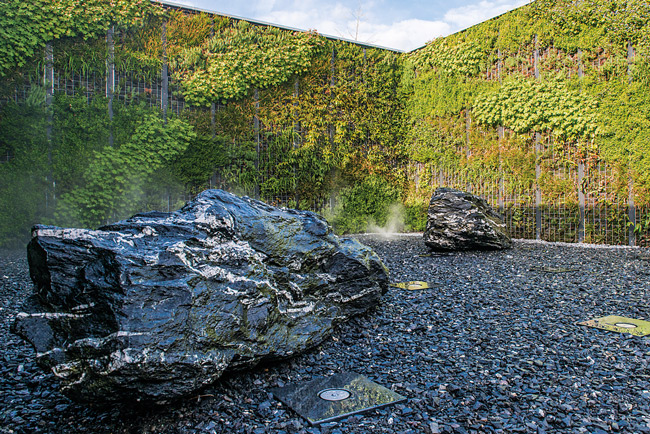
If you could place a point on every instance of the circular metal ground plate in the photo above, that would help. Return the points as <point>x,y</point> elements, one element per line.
<point>626,325</point>
<point>334,394</point>
<point>413,285</point>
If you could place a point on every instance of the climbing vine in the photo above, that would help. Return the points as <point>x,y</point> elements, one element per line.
<point>243,57</point>
<point>25,27</point>
<point>465,58</point>
<point>527,106</point>
<point>575,73</point>
<point>576,93</point>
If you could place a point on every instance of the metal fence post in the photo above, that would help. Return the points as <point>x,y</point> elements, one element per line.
<point>330,128</point>
<point>256,130</point>
<point>48,83</point>
<point>110,79</point>
<point>500,136</point>
<point>164,97</point>
<point>213,106</point>
<point>538,169</point>
<point>468,127</point>
<point>297,139</point>
<point>502,189</point>
<point>499,64</point>
<point>536,59</point>
<point>631,212</point>
<point>581,200</point>
<point>331,131</point>
<point>538,189</point>
<point>581,172</point>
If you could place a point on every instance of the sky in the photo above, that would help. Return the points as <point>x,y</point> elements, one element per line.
<point>403,25</point>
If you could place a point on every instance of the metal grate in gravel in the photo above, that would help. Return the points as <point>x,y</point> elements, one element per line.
<point>332,398</point>
<point>413,285</point>
<point>620,324</point>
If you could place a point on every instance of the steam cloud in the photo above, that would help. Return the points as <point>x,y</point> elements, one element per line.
<point>394,222</point>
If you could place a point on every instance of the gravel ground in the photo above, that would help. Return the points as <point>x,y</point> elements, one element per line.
<point>492,347</point>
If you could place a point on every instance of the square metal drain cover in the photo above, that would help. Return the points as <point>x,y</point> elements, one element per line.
<point>336,397</point>
<point>620,324</point>
<point>413,285</point>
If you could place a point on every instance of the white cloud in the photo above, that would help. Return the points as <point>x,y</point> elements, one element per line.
<point>466,16</point>
<point>405,35</point>
<point>340,18</point>
<point>310,17</point>
<point>341,21</point>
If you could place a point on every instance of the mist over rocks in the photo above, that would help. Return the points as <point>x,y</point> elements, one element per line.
<point>159,305</point>
<point>457,220</point>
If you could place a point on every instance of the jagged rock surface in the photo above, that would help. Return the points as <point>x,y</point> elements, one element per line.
<point>161,304</point>
<point>457,220</point>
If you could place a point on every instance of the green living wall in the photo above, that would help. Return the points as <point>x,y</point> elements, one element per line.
<point>544,110</point>
<point>108,111</point>
<point>105,112</point>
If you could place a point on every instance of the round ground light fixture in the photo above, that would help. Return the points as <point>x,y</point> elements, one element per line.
<point>334,394</point>
<point>413,285</point>
<point>626,325</point>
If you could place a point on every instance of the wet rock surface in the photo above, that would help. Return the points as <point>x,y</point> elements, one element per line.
<point>457,220</point>
<point>160,305</point>
<point>492,348</point>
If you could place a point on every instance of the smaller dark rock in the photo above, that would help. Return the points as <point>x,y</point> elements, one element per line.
<point>457,220</point>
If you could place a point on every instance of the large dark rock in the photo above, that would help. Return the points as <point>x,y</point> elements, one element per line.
<point>457,220</point>
<point>161,304</point>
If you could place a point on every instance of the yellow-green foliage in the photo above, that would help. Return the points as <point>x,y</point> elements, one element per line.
<point>243,57</point>
<point>527,106</point>
<point>26,26</point>
<point>588,97</point>
<point>463,58</point>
